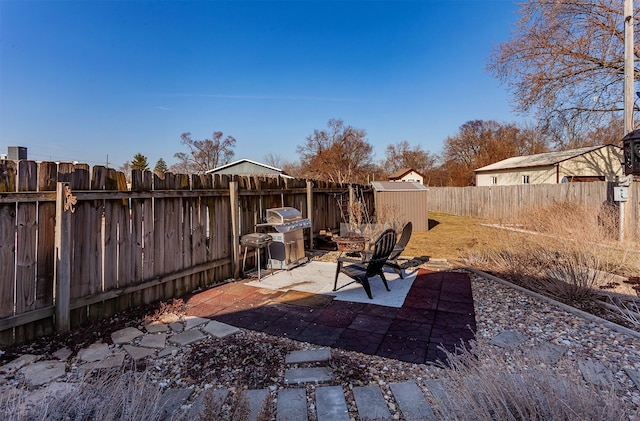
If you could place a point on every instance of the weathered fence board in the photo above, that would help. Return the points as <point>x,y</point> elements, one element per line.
<point>161,238</point>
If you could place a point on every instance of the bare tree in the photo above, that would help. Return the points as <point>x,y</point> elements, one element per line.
<point>339,153</point>
<point>479,143</point>
<point>205,154</point>
<point>565,62</point>
<point>274,160</point>
<point>402,155</point>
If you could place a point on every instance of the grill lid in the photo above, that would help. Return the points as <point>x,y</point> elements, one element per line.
<point>256,240</point>
<point>283,215</point>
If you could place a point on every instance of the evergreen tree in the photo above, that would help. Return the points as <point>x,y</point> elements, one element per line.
<point>161,167</point>
<point>139,162</point>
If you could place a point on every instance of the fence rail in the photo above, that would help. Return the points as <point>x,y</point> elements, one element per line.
<point>505,203</point>
<point>119,246</point>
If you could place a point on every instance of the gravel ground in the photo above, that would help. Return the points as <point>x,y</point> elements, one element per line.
<point>256,360</point>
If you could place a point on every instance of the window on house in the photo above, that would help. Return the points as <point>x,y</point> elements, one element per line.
<point>525,179</point>
<point>494,180</point>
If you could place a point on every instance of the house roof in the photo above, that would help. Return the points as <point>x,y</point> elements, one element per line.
<point>402,172</point>
<point>539,160</point>
<point>395,186</point>
<point>240,161</point>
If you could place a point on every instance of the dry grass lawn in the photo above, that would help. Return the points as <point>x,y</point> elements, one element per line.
<point>451,237</point>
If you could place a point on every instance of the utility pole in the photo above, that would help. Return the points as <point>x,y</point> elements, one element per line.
<point>629,88</point>
<point>628,67</point>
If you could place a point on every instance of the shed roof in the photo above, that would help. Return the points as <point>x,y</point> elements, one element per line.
<point>539,160</point>
<point>402,172</point>
<point>395,186</point>
<point>241,161</point>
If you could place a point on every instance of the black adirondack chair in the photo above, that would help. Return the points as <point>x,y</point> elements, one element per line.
<point>362,270</point>
<point>392,261</point>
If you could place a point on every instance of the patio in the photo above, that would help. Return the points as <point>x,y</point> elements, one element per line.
<point>421,314</point>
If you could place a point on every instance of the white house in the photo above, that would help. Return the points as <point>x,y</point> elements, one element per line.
<point>408,175</point>
<point>593,163</point>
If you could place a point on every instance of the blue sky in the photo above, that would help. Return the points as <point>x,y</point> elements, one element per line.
<point>87,80</point>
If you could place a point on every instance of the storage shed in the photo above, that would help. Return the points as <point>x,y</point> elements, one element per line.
<point>409,198</point>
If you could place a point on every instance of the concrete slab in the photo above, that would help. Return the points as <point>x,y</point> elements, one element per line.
<point>331,404</point>
<point>436,389</point>
<point>508,339</point>
<point>95,352</point>
<point>44,372</point>
<point>126,335</point>
<point>138,353</point>
<point>18,363</point>
<point>187,337</point>
<point>157,341</point>
<point>219,329</point>
<point>156,326</point>
<point>371,404</point>
<point>412,402</point>
<point>308,375</point>
<point>190,322</point>
<point>292,405</point>
<point>308,356</point>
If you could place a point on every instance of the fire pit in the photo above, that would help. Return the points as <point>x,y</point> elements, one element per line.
<point>351,244</point>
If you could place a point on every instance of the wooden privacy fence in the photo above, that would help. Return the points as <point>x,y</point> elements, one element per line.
<point>505,203</point>
<point>78,244</point>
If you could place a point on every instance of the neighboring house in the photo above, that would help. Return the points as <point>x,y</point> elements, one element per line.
<point>407,175</point>
<point>247,167</point>
<point>593,163</point>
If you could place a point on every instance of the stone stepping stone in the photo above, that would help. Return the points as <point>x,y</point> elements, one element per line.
<point>412,402</point>
<point>18,363</point>
<point>549,352</point>
<point>111,361</point>
<point>126,335</point>
<point>44,372</point>
<point>171,400</point>
<point>331,404</point>
<point>371,404</point>
<point>308,375</point>
<point>62,354</point>
<point>598,374</point>
<point>215,400</point>
<point>308,356</point>
<point>138,353</point>
<point>187,337</point>
<point>292,405</point>
<point>219,329</point>
<point>255,399</point>
<point>191,322</point>
<point>169,350</point>
<point>94,352</point>
<point>508,339</point>
<point>437,390</point>
<point>157,341</point>
<point>157,327</point>
<point>634,375</point>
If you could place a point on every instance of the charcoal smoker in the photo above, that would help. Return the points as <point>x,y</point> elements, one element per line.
<point>257,241</point>
<point>285,226</point>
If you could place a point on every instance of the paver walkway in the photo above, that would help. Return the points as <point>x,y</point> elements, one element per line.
<point>437,313</point>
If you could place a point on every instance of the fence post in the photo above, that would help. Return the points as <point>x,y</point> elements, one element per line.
<point>310,210</point>
<point>62,273</point>
<point>235,235</point>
